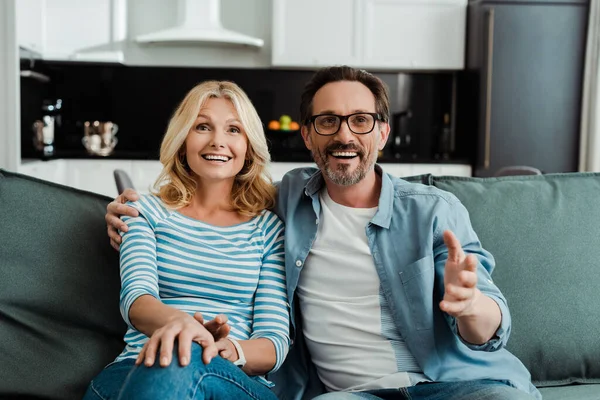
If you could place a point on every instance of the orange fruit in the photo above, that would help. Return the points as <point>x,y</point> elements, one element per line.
<point>294,126</point>
<point>274,125</point>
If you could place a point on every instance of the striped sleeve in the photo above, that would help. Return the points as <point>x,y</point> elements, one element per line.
<point>271,308</point>
<point>138,267</point>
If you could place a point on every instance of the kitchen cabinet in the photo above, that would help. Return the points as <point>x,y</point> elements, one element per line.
<point>374,34</point>
<point>426,35</point>
<point>525,61</point>
<point>72,29</point>
<point>97,175</point>
<point>317,32</point>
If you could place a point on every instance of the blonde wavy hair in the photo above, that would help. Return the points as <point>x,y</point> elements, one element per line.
<point>253,189</point>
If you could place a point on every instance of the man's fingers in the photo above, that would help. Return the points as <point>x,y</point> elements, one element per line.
<point>129,195</point>
<point>453,307</point>
<point>114,244</point>
<point>123,209</point>
<point>115,223</point>
<point>471,263</point>
<point>455,251</point>
<point>467,279</point>
<point>459,293</point>
<point>114,235</point>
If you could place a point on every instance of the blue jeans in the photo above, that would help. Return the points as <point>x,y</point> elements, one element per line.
<point>466,390</point>
<point>218,380</point>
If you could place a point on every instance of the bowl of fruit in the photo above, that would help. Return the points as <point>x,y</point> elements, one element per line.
<point>285,124</point>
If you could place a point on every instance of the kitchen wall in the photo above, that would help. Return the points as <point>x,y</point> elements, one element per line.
<point>141,99</point>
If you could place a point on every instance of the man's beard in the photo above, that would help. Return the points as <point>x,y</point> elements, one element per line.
<point>341,174</point>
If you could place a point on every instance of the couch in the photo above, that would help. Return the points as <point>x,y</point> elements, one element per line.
<point>59,280</point>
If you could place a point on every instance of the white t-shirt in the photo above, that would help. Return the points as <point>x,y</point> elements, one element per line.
<point>347,323</point>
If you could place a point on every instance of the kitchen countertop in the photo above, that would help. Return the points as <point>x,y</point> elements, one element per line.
<point>137,155</point>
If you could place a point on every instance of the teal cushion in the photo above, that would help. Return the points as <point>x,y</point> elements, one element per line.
<point>544,232</point>
<point>59,289</point>
<point>571,392</point>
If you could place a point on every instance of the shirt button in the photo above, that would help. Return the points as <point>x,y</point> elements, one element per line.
<point>298,263</point>
<point>317,221</point>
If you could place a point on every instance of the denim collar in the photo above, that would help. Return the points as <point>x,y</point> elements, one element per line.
<point>383,216</point>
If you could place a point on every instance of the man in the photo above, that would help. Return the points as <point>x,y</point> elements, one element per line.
<point>389,287</point>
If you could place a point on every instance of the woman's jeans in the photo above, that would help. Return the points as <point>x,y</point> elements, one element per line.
<point>218,380</point>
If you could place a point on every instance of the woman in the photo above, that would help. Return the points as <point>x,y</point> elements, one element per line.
<point>204,246</point>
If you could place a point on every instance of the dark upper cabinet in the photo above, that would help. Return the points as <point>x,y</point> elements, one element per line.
<point>525,65</point>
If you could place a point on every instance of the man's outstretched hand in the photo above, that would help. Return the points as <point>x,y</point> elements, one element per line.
<point>478,316</point>
<point>460,279</point>
<point>114,211</point>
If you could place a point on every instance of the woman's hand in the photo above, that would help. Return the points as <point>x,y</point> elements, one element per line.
<point>185,328</point>
<point>227,350</point>
<point>114,210</point>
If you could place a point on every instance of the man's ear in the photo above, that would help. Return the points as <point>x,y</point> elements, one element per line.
<point>305,132</point>
<point>384,134</point>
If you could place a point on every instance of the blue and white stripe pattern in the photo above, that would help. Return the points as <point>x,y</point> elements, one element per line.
<point>194,266</point>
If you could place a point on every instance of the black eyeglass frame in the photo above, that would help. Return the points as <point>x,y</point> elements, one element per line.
<point>376,117</point>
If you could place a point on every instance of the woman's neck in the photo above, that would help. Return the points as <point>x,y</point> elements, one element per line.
<point>211,203</point>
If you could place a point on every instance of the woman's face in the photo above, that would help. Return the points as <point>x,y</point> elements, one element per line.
<point>216,145</point>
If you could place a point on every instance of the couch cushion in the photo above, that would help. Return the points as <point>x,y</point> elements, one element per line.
<point>571,392</point>
<point>59,289</point>
<point>544,232</point>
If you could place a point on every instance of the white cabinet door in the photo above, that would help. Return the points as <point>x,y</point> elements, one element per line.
<point>95,175</point>
<point>30,24</point>
<point>72,29</point>
<point>313,33</point>
<point>73,26</point>
<point>374,34</point>
<point>415,34</point>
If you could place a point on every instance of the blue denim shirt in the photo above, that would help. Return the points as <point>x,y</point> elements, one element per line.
<point>406,242</point>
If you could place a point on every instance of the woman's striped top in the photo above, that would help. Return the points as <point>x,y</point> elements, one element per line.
<point>194,266</point>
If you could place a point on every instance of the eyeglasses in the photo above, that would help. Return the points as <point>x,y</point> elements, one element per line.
<point>329,124</point>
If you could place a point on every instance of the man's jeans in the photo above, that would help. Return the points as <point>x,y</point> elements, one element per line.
<point>467,390</point>
<point>218,380</point>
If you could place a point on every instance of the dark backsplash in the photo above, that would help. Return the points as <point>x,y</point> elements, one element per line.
<point>141,100</point>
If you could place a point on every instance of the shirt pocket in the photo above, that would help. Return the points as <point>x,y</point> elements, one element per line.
<point>418,280</point>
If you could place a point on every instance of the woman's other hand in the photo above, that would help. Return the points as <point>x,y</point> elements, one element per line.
<point>227,350</point>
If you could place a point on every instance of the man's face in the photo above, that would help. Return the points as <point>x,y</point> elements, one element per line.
<point>345,157</point>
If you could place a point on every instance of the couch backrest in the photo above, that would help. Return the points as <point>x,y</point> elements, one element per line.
<point>544,232</point>
<point>59,289</point>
